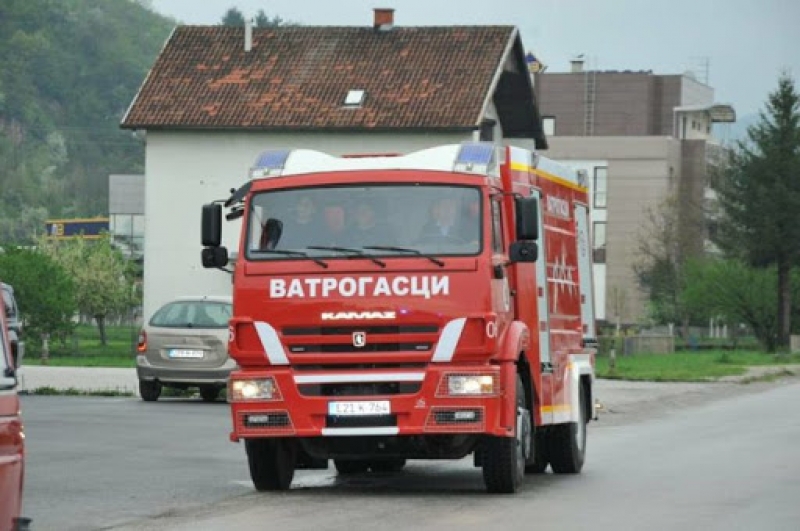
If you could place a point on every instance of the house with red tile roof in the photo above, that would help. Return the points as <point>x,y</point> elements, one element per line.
<point>217,96</point>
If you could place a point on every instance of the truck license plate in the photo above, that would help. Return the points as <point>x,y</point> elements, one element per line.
<point>359,409</point>
<point>182,353</point>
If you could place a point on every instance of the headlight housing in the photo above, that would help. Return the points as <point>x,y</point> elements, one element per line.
<point>471,384</point>
<point>253,389</point>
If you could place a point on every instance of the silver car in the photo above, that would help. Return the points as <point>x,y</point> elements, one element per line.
<point>185,344</point>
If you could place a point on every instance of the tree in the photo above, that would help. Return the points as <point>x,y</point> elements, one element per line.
<point>666,241</point>
<point>100,274</point>
<point>760,196</point>
<point>44,291</point>
<point>736,291</point>
<point>233,17</point>
<point>263,20</point>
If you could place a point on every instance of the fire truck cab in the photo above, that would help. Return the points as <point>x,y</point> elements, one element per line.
<point>424,306</point>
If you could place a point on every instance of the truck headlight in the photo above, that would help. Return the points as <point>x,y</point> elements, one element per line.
<point>256,389</point>
<point>471,384</point>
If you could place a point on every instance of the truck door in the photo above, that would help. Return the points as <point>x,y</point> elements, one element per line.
<point>501,291</point>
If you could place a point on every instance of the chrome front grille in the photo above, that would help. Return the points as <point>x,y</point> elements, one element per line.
<point>366,339</point>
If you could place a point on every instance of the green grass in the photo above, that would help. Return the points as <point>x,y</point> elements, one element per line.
<point>83,349</point>
<point>689,366</point>
<point>83,361</point>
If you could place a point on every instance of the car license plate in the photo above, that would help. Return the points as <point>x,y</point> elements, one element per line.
<point>185,354</point>
<point>359,409</point>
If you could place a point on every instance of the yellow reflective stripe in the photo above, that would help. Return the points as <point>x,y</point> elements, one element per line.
<point>519,166</point>
<point>556,408</point>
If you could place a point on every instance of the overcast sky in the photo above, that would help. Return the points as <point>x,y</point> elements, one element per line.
<point>740,45</point>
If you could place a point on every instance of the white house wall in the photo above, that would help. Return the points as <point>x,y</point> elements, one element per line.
<point>184,170</point>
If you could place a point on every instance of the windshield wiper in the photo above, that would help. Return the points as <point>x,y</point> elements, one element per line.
<point>358,252</point>
<point>406,250</point>
<point>290,253</point>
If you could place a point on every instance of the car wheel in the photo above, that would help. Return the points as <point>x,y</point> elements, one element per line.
<point>272,463</point>
<point>150,390</point>
<point>209,393</point>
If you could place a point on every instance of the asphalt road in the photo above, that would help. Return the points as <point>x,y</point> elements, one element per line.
<point>688,457</point>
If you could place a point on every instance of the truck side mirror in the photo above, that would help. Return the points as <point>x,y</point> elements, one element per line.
<point>214,257</point>
<point>527,217</point>
<point>523,251</point>
<point>211,229</point>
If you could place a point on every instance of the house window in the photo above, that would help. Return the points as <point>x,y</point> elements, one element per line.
<point>487,130</point>
<point>549,125</point>
<point>599,242</point>
<point>600,186</point>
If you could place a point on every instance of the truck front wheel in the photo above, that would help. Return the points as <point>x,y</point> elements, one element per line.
<point>504,457</point>
<point>272,463</point>
<point>567,442</point>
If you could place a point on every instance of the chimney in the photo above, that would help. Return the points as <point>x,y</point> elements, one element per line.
<point>577,64</point>
<point>384,19</point>
<point>248,34</point>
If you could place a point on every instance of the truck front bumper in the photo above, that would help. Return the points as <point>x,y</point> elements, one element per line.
<point>301,405</point>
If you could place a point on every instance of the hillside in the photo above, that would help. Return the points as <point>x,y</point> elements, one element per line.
<point>70,70</point>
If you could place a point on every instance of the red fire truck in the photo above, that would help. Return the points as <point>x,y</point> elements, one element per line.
<point>425,306</point>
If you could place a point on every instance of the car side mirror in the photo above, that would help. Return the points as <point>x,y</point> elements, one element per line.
<point>17,348</point>
<point>523,251</point>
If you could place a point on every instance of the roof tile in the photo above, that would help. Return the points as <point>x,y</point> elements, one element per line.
<point>298,78</point>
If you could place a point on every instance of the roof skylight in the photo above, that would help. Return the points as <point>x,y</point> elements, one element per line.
<point>354,98</point>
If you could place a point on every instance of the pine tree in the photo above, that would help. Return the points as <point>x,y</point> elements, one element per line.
<point>760,196</point>
<point>233,17</point>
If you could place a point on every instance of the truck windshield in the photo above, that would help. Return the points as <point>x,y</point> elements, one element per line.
<point>378,220</point>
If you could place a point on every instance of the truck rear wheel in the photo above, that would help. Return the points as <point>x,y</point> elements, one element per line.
<point>504,457</point>
<point>567,442</point>
<point>350,466</point>
<point>272,463</point>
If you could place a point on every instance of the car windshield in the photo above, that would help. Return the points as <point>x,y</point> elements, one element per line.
<point>192,314</point>
<point>350,221</point>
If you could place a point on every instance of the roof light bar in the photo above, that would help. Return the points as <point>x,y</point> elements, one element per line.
<point>475,158</point>
<point>269,163</point>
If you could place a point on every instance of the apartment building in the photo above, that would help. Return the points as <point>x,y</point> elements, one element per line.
<point>641,137</point>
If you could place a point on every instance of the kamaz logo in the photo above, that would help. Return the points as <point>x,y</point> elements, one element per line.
<point>356,316</point>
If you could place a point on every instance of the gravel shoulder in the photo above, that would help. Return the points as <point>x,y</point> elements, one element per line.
<point>620,402</point>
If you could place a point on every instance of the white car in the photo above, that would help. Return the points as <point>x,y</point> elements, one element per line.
<point>185,344</point>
